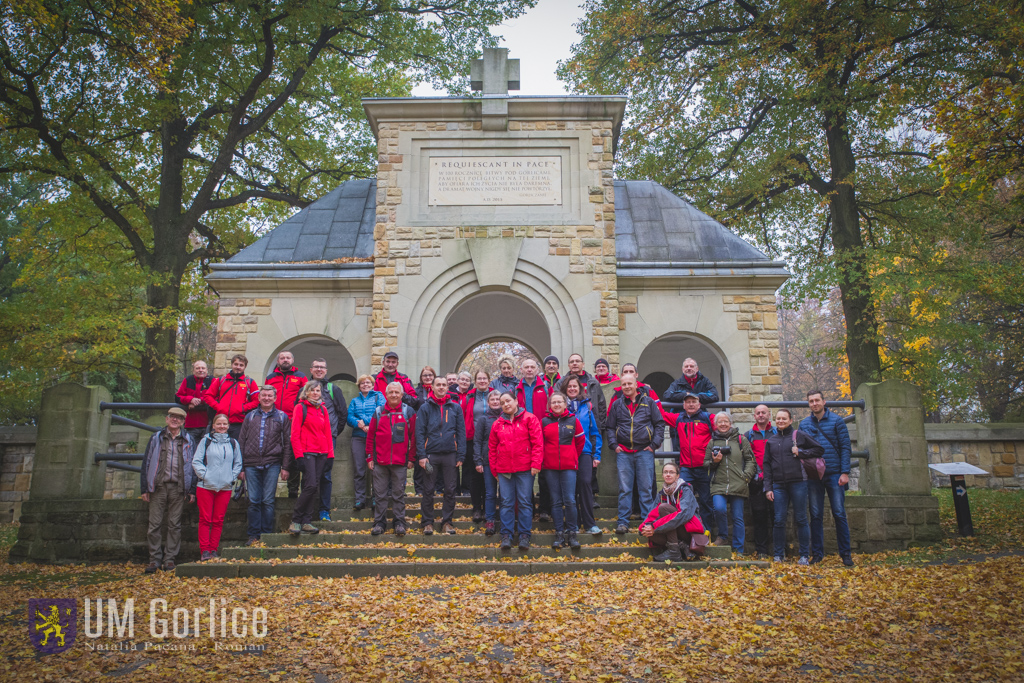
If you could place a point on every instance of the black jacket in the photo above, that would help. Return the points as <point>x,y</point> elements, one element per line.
<point>334,401</point>
<point>481,435</point>
<point>594,393</point>
<point>702,386</point>
<point>440,429</point>
<point>636,431</point>
<point>780,466</point>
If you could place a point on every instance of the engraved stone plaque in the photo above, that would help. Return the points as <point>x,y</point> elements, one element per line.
<point>495,181</point>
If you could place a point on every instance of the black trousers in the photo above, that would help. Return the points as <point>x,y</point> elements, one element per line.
<point>762,513</point>
<point>585,492</point>
<point>444,467</point>
<point>312,466</point>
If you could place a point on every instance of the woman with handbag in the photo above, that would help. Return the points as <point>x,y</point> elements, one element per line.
<point>789,457</point>
<point>673,528</point>
<point>217,462</point>
<point>731,466</point>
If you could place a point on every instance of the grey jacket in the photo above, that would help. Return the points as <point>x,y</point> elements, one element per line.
<point>217,462</point>
<point>151,460</point>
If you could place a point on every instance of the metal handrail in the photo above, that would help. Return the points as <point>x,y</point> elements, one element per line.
<point>122,466</point>
<point>770,404</point>
<point>134,423</point>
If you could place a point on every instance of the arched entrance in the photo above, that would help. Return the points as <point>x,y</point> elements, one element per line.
<point>662,361</point>
<point>490,316</point>
<point>340,365</point>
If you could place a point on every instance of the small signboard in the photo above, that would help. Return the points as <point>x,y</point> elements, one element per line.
<point>495,181</point>
<point>956,468</point>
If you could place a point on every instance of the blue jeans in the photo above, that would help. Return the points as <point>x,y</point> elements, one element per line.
<point>701,482</point>
<point>638,467</point>
<point>795,493</point>
<point>261,486</point>
<point>490,494</point>
<point>723,506</point>
<point>837,501</point>
<point>516,489</point>
<point>562,484</point>
<point>326,486</point>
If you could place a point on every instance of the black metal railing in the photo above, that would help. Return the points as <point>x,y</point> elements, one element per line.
<point>117,461</point>
<point>769,404</point>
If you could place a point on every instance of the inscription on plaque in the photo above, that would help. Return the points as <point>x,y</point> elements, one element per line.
<point>495,181</point>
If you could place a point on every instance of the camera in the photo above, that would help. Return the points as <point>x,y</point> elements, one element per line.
<point>723,450</point>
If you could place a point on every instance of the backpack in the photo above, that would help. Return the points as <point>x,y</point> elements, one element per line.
<point>406,412</point>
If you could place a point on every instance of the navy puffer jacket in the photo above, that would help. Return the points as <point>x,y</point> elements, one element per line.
<point>831,432</point>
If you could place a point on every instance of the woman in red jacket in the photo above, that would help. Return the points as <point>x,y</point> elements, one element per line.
<point>674,522</point>
<point>563,445</point>
<point>515,449</point>
<point>312,446</point>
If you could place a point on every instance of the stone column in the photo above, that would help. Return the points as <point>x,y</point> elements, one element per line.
<point>891,428</point>
<point>71,429</point>
<point>607,471</point>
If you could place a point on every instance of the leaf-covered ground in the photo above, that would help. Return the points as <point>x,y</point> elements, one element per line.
<point>954,611</point>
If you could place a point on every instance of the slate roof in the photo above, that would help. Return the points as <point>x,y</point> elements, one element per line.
<point>654,229</point>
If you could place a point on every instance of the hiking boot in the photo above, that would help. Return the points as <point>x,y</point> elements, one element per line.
<point>622,529</point>
<point>595,530</point>
<point>524,542</point>
<point>688,555</point>
<point>253,540</point>
<point>506,542</point>
<point>489,529</point>
<point>215,554</point>
<point>803,561</point>
<point>399,529</point>
<point>847,560</point>
<point>295,529</point>
<point>597,506</point>
<point>543,517</point>
<point>721,540</point>
<point>205,555</point>
<point>428,530</point>
<point>359,506</point>
<point>572,541</point>
<point>556,544</point>
<point>309,529</point>
<point>778,558</point>
<point>325,516</point>
<point>168,566</point>
<point>478,516</point>
<point>152,567</point>
<point>671,554</point>
<point>377,530</point>
<point>815,559</point>
<point>449,528</point>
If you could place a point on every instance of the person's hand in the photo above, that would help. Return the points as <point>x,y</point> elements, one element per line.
<point>534,471</point>
<point>618,449</point>
<point>410,464</point>
<point>716,458</point>
<point>284,475</point>
<point>145,497</point>
<point>480,469</point>
<point>458,464</point>
<point>195,402</point>
<point>192,499</point>
<point>770,495</point>
<point>369,463</point>
<point>844,479</point>
<point>647,530</point>
<point>796,451</point>
<point>596,463</point>
<point>241,475</point>
<point>423,462</point>
<point>362,425</point>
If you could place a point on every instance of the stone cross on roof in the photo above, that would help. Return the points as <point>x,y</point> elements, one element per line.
<point>494,76</point>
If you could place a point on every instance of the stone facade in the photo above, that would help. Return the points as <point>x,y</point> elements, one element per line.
<point>236,319</point>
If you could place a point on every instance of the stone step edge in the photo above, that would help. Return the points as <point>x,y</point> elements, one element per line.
<point>472,539</point>
<point>229,570</point>
<point>442,552</point>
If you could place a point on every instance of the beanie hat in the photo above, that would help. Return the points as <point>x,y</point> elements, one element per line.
<point>602,361</point>
<point>550,358</point>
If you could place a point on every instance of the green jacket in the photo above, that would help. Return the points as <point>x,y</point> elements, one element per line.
<point>730,476</point>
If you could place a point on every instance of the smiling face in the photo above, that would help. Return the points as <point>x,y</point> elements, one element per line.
<point>482,380</point>
<point>723,423</point>
<point>390,365</point>
<point>576,364</point>
<point>690,367</point>
<point>238,366</point>
<point>267,397</point>
<point>465,380</point>
<point>314,393</point>
<point>572,388</point>
<point>783,419</point>
<point>440,387</point>
<point>600,369</point>
<point>199,369</point>
<point>669,474</point>
<point>816,402</point>
<point>318,369</point>
<point>427,378</point>
<point>629,386</point>
<point>556,404</point>
<point>220,425</point>
<point>394,394</point>
<point>494,402</point>
<point>508,405</point>
<point>366,385</point>
<point>551,367</point>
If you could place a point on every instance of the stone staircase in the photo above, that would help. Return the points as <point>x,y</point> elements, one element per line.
<point>345,547</point>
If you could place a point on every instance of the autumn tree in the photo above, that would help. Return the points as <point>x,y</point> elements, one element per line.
<point>174,132</point>
<point>799,123</point>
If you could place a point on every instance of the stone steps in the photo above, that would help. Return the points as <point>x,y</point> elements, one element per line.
<point>416,538</point>
<point>446,553</point>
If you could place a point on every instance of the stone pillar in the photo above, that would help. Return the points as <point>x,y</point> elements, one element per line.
<point>342,486</point>
<point>891,428</point>
<point>71,429</point>
<point>607,471</point>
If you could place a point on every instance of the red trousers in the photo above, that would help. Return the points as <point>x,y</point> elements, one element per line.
<point>212,507</point>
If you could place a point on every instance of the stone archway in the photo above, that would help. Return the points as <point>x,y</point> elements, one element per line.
<point>340,364</point>
<point>665,355</point>
<point>491,316</point>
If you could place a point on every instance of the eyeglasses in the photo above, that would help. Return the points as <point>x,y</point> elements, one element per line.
<point>175,417</point>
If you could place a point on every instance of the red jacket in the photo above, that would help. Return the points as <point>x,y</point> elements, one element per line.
<point>311,430</point>
<point>516,445</point>
<point>564,441</point>
<point>198,417</point>
<point>288,385</point>
<point>641,389</point>
<point>757,440</point>
<point>233,396</point>
<point>692,435</point>
<point>380,445</point>
<point>539,396</point>
<point>608,379</point>
<point>468,401</point>
<point>381,382</point>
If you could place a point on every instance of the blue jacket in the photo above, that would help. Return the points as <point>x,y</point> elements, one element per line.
<point>585,414</point>
<point>217,462</point>
<point>834,437</point>
<point>363,408</point>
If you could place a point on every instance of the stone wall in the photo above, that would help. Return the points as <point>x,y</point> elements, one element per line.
<point>758,316</point>
<point>17,450</point>
<point>236,318</point>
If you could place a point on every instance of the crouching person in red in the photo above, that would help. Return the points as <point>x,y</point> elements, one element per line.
<point>312,446</point>
<point>674,523</point>
<point>390,448</point>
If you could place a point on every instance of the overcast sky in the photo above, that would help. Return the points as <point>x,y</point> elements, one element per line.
<point>538,39</point>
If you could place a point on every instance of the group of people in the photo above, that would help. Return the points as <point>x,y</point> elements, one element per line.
<point>492,437</point>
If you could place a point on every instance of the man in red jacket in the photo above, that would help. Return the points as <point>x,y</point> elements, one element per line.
<point>389,373</point>
<point>288,381</point>
<point>390,448</point>
<point>190,397</point>
<point>234,394</point>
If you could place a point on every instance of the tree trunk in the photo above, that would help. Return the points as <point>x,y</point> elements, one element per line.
<point>851,259</point>
<point>158,358</point>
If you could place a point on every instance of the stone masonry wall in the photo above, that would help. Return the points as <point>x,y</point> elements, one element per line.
<point>758,316</point>
<point>590,247</point>
<point>235,319</point>
<point>1004,459</point>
